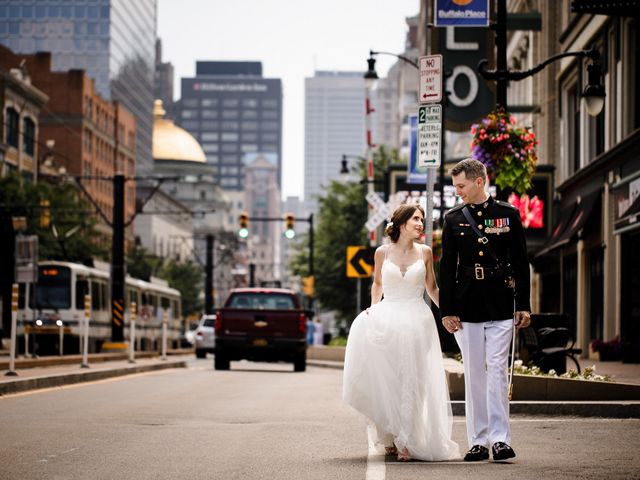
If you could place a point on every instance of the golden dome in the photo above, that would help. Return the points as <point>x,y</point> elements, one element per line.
<point>171,142</point>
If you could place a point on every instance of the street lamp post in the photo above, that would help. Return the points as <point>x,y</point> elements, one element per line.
<point>370,78</point>
<point>593,93</point>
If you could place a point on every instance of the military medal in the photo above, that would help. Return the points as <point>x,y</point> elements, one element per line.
<point>497,225</point>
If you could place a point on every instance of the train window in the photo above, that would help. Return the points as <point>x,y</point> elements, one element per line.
<point>145,300</point>
<point>82,289</point>
<point>175,308</point>
<point>21,293</point>
<point>153,301</point>
<point>164,302</point>
<point>104,297</point>
<point>95,296</point>
<point>54,288</point>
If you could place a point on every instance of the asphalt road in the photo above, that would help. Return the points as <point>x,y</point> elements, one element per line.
<point>262,421</point>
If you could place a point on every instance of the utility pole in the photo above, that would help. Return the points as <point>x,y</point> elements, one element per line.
<point>208,282</point>
<point>117,261</point>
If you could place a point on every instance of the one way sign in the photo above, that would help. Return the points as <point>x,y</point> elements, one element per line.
<point>360,261</point>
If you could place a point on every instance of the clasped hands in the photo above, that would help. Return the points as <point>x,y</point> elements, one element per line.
<point>452,323</point>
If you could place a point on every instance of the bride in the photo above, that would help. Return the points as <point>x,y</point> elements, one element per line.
<point>393,371</point>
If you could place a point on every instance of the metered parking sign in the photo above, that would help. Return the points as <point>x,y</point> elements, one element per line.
<point>429,135</point>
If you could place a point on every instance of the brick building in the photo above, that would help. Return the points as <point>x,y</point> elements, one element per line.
<point>91,136</point>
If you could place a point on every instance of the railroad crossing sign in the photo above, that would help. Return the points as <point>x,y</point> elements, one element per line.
<point>430,78</point>
<point>429,135</point>
<point>360,261</point>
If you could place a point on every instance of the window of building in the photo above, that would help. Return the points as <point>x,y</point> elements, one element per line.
<point>190,102</point>
<point>210,147</point>
<point>88,140</point>
<point>249,114</point>
<point>249,137</point>
<point>229,147</point>
<point>209,136</point>
<point>230,102</point>
<point>249,125</point>
<point>209,113</point>
<point>189,114</point>
<point>229,137</point>
<point>270,126</point>
<point>270,114</point>
<point>230,158</point>
<point>230,125</point>
<point>268,103</point>
<point>249,103</point>
<point>190,124</point>
<point>212,158</point>
<point>209,125</point>
<point>29,138</point>
<point>249,147</point>
<point>269,137</point>
<point>230,114</point>
<point>209,102</point>
<point>12,127</point>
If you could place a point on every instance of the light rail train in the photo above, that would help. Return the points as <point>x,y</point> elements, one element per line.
<point>59,295</point>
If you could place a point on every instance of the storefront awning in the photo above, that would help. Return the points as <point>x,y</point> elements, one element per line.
<point>572,219</point>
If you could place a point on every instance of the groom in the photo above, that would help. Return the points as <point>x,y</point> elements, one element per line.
<point>483,269</point>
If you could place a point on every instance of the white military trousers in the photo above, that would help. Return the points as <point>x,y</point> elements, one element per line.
<point>485,354</point>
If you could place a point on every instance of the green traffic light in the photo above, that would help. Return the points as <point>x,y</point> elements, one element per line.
<point>243,233</point>
<point>290,234</point>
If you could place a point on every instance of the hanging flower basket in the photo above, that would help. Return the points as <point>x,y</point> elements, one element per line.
<point>508,151</point>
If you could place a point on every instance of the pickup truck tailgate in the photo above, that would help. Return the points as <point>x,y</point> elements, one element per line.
<point>262,323</point>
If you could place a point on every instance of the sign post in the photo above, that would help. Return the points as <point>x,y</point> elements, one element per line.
<point>14,324</point>
<point>430,130</point>
<point>85,334</point>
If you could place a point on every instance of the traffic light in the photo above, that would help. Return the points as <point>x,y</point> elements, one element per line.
<point>290,221</point>
<point>45,214</point>
<point>243,220</point>
<point>308,286</point>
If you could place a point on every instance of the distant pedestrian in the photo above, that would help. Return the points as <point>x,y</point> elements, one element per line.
<point>310,329</point>
<point>483,268</point>
<point>318,332</point>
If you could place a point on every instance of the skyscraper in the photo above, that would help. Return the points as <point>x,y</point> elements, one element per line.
<point>236,114</point>
<point>334,126</point>
<point>113,40</point>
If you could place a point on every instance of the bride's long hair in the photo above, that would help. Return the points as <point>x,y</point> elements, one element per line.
<point>401,215</point>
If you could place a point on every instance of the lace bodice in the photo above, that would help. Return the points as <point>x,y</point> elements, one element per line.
<point>410,286</point>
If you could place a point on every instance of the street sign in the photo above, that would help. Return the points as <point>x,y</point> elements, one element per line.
<point>429,135</point>
<point>430,78</point>
<point>360,261</point>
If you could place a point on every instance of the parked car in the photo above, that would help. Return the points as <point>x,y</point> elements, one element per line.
<point>205,337</point>
<point>261,324</point>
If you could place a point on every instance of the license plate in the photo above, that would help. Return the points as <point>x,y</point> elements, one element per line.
<point>260,342</point>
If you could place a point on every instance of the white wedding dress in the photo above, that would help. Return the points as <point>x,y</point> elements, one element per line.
<point>393,370</point>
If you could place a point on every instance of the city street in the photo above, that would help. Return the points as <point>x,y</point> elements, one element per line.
<point>262,421</point>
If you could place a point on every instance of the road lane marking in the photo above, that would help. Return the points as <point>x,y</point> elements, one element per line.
<point>376,469</point>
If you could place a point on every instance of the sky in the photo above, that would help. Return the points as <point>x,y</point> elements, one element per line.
<point>292,39</point>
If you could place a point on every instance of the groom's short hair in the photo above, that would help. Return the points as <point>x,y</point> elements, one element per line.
<point>472,169</point>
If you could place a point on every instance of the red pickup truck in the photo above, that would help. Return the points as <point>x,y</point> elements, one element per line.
<point>260,324</point>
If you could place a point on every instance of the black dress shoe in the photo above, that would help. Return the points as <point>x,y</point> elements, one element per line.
<point>502,451</point>
<point>476,454</point>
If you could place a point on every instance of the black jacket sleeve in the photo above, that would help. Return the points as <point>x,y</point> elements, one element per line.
<point>520,263</point>
<point>448,268</point>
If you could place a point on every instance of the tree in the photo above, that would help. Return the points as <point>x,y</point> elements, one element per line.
<point>65,227</point>
<point>342,214</point>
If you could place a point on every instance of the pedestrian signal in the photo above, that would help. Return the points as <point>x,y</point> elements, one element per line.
<point>290,221</point>
<point>243,220</point>
<point>308,286</point>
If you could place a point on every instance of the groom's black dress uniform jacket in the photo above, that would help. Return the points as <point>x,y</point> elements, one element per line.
<point>462,293</point>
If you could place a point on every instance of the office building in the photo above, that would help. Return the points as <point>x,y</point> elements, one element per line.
<point>112,40</point>
<point>236,114</point>
<point>334,126</point>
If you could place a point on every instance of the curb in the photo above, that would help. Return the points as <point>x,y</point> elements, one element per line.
<point>35,383</point>
<point>608,409</point>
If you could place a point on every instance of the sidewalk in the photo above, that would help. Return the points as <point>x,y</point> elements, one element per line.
<point>44,372</point>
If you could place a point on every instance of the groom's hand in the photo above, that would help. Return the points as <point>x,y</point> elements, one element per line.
<point>452,323</point>
<point>523,319</point>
